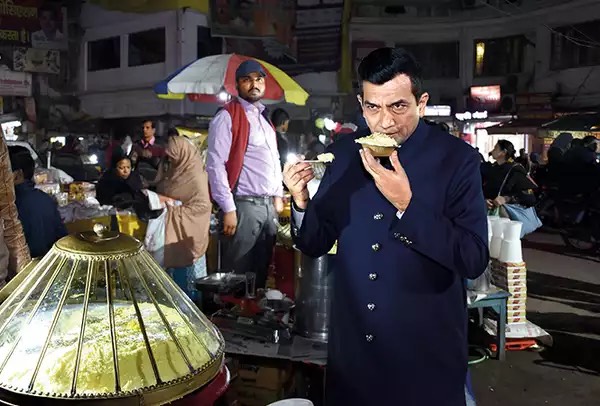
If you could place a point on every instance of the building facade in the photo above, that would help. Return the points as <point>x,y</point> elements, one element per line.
<point>124,54</point>
<point>526,46</point>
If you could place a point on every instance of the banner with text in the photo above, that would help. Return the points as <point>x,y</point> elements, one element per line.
<point>36,60</point>
<point>15,83</point>
<point>33,23</point>
<point>317,41</point>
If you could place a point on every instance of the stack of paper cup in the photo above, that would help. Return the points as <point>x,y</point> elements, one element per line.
<point>490,221</point>
<point>510,249</point>
<point>496,240</point>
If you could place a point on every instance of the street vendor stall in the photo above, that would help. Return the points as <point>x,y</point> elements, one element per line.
<point>98,322</point>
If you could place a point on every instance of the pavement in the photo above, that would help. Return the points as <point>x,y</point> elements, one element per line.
<point>563,299</point>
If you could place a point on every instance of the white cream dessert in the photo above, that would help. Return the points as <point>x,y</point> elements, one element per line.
<point>326,157</point>
<point>377,140</point>
<point>96,369</point>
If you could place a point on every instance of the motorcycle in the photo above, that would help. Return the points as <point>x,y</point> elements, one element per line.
<point>580,218</point>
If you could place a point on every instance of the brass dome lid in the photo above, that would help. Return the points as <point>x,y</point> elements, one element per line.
<point>97,319</point>
<point>99,243</point>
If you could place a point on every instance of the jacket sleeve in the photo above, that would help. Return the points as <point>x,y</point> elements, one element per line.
<point>457,237</point>
<point>13,231</point>
<point>318,231</point>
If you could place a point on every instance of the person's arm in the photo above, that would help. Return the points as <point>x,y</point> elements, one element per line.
<point>314,230</point>
<point>14,237</point>
<point>59,226</point>
<point>219,145</point>
<point>457,237</point>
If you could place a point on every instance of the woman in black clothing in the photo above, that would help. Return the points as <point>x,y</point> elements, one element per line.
<point>518,188</point>
<point>120,186</point>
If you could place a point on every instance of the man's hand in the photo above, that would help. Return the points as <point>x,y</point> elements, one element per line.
<point>296,177</point>
<point>229,223</point>
<point>393,184</point>
<point>278,204</point>
<point>489,203</point>
<point>146,153</point>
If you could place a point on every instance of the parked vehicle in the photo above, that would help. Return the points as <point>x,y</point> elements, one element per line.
<point>75,166</point>
<point>57,173</point>
<point>580,222</point>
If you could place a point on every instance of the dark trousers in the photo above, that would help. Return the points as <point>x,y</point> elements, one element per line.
<point>250,249</point>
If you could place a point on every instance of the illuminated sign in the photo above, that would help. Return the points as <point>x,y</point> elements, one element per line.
<point>476,115</point>
<point>438,111</point>
<point>486,97</point>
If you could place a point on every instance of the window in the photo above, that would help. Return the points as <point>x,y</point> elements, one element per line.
<point>438,61</point>
<point>576,45</point>
<point>206,44</point>
<point>499,56</point>
<point>147,47</point>
<point>104,54</point>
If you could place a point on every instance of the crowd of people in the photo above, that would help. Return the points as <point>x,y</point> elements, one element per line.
<point>425,237</point>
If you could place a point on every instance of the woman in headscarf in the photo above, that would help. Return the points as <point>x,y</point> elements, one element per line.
<point>120,185</point>
<point>183,190</point>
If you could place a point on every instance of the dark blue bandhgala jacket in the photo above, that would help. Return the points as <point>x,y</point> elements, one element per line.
<point>398,317</point>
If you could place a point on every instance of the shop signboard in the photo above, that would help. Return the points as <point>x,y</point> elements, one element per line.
<point>253,19</point>
<point>33,23</point>
<point>36,60</point>
<point>15,83</point>
<point>316,43</point>
<point>485,98</point>
<point>534,106</point>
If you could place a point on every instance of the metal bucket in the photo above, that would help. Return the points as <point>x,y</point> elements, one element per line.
<point>313,295</point>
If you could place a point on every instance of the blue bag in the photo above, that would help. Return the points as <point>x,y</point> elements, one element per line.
<point>516,212</point>
<point>525,215</point>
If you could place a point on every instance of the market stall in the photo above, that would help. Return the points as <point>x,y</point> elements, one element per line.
<point>98,322</point>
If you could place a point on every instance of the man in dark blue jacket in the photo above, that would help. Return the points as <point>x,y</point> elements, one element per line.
<point>38,212</point>
<point>410,228</point>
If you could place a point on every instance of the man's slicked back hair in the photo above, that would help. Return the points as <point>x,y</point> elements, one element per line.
<point>384,64</point>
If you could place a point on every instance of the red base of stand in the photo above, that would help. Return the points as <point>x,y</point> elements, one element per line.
<point>209,394</point>
<point>283,259</point>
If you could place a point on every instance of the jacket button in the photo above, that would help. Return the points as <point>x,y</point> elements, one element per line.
<point>371,306</point>
<point>376,247</point>
<point>378,216</point>
<point>396,236</point>
<point>369,337</point>
<point>372,276</point>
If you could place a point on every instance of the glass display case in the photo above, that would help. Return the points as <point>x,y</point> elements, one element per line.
<point>96,320</point>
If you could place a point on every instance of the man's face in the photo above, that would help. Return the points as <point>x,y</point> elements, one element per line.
<point>47,23</point>
<point>251,87</point>
<point>391,108</point>
<point>149,131</point>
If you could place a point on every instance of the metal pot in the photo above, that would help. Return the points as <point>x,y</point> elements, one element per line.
<point>313,295</point>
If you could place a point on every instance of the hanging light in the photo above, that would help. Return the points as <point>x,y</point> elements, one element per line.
<point>223,96</point>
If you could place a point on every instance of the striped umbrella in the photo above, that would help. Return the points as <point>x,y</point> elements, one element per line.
<point>213,79</point>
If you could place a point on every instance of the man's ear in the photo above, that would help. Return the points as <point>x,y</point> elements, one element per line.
<point>359,98</point>
<point>423,103</point>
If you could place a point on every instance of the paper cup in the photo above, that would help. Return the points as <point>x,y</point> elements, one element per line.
<point>511,251</point>
<point>512,231</point>
<point>497,228</point>
<point>495,247</point>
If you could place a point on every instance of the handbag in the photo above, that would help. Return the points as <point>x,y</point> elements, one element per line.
<point>517,212</point>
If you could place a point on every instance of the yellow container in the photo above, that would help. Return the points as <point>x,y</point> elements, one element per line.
<point>129,224</point>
